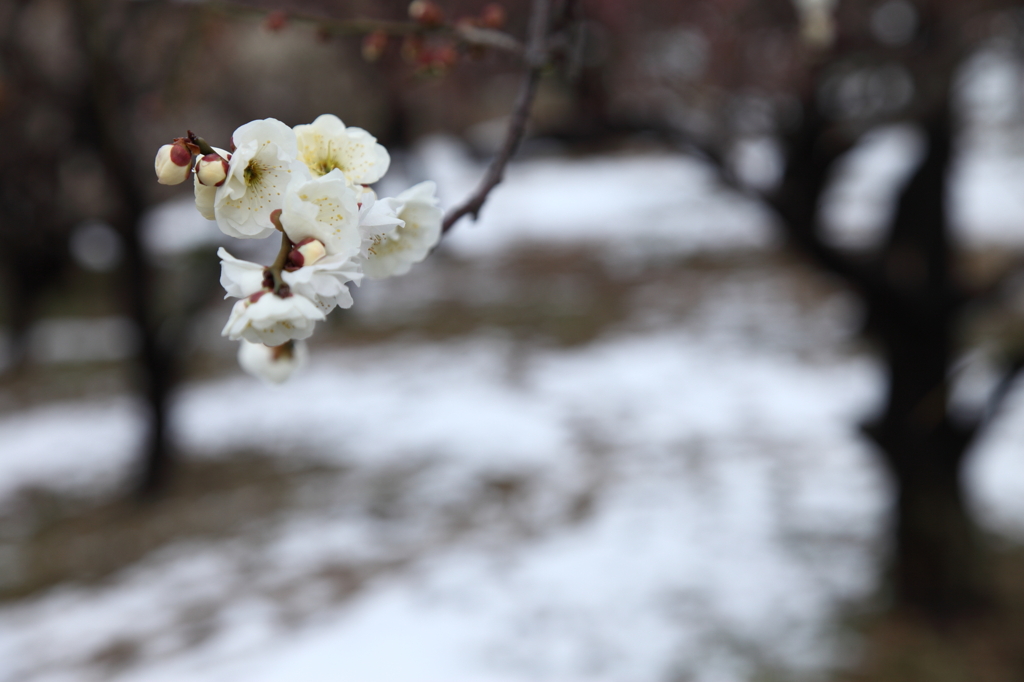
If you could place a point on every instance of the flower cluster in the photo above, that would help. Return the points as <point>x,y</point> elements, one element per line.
<point>310,183</point>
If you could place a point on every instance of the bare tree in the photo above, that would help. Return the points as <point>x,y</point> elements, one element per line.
<point>73,82</point>
<point>911,284</point>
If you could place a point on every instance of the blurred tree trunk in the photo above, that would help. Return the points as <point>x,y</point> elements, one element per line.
<point>939,566</point>
<point>111,100</point>
<point>939,562</point>
<point>26,279</point>
<point>157,366</point>
<point>34,221</point>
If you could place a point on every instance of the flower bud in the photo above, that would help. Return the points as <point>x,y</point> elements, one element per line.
<point>272,364</point>
<point>426,13</point>
<point>212,170</point>
<point>412,48</point>
<point>493,16</point>
<point>172,163</point>
<point>374,45</point>
<point>436,60</point>
<point>275,20</point>
<point>817,27</point>
<point>444,57</point>
<point>275,218</point>
<point>306,252</point>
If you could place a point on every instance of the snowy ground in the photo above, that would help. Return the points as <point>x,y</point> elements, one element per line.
<point>692,502</point>
<point>683,498</point>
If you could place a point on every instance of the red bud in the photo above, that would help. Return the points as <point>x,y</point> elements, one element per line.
<point>493,16</point>
<point>276,20</point>
<point>426,13</point>
<point>445,57</point>
<point>412,49</point>
<point>374,45</point>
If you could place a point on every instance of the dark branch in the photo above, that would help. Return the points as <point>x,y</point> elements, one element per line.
<point>1002,390</point>
<point>467,35</point>
<point>796,202</point>
<point>536,59</point>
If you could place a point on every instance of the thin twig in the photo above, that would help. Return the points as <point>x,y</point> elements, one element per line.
<point>1003,388</point>
<point>468,35</point>
<point>282,259</point>
<point>488,37</point>
<point>536,59</point>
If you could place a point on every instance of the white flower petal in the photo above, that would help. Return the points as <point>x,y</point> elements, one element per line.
<point>395,254</point>
<point>326,145</point>
<point>379,223</point>
<point>268,131</point>
<point>272,365</point>
<point>324,281</point>
<point>262,166</point>
<point>239,278</point>
<point>272,320</point>
<point>205,196</point>
<point>204,200</point>
<point>424,193</point>
<point>325,209</point>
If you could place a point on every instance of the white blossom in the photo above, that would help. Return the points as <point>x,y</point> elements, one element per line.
<point>267,318</point>
<point>326,209</point>
<point>205,197</point>
<point>273,365</point>
<point>326,145</point>
<point>377,218</point>
<point>323,282</point>
<point>378,221</point>
<point>817,22</point>
<point>391,254</point>
<point>263,164</point>
<point>365,198</point>
<point>240,278</point>
<point>312,183</point>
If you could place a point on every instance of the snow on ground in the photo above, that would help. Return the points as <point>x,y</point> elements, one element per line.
<point>718,454</point>
<point>730,510</point>
<point>636,205</point>
<point>82,443</point>
<point>736,510</point>
<point>657,205</point>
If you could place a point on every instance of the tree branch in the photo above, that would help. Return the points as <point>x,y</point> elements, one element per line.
<point>467,35</point>
<point>1002,390</point>
<point>796,203</point>
<point>536,59</point>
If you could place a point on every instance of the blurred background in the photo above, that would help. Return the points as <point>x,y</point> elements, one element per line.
<point>720,387</point>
